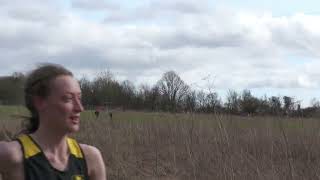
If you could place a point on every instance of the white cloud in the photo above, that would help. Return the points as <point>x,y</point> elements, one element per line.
<point>94,5</point>
<point>240,49</point>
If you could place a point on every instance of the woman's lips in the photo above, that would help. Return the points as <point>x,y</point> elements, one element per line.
<point>75,119</point>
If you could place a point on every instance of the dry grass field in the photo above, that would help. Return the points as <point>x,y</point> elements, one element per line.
<point>163,146</point>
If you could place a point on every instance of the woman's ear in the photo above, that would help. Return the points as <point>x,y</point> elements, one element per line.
<point>39,103</point>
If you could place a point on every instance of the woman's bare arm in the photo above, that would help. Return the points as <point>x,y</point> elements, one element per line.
<point>95,163</point>
<point>11,159</point>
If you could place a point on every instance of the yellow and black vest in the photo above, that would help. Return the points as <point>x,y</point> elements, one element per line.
<point>37,166</point>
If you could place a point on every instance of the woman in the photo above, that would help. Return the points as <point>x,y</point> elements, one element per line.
<point>45,150</point>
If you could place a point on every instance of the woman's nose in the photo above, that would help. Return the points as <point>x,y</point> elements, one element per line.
<point>78,105</point>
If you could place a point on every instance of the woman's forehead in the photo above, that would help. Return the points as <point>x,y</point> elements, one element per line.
<point>65,84</point>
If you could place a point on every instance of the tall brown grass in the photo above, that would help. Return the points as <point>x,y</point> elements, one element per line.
<point>164,146</point>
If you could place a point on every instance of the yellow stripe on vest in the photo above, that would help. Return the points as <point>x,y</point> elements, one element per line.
<point>30,149</point>
<point>74,148</point>
<point>77,177</point>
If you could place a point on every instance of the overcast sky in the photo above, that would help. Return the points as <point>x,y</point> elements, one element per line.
<point>270,47</point>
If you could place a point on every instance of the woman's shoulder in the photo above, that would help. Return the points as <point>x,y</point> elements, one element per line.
<point>11,150</point>
<point>95,162</point>
<point>10,155</point>
<point>89,150</point>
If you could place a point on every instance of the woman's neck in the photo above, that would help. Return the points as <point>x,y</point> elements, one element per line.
<point>54,147</point>
<point>51,141</point>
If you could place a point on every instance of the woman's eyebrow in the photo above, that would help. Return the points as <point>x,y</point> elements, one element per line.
<point>72,94</point>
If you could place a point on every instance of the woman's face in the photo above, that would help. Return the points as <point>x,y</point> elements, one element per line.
<point>62,107</point>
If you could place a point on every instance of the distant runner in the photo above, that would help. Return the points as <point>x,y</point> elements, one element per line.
<point>98,110</point>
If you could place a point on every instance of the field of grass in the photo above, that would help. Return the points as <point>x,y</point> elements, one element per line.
<point>141,145</point>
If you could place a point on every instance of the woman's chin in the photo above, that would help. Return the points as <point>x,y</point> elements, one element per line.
<point>73,128</point>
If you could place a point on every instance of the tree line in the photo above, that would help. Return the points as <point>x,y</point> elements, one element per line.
<point>169,94</point>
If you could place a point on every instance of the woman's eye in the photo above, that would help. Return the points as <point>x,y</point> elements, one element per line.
<point>67,99</point>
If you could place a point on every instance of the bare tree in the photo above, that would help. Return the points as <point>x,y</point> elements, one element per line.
<point>213,103</point>
<point>173,89</point>
<point>288,104</point>
<point>11,89</point>
<point>249,104</point>
<point>128,92</point>
<point>275,105</point>
<point>315,103</point>
<point>233,101</point>
<point>201,100</point>
<point>106,89</point>
<point>190,102</point>
<point>87,92</point>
